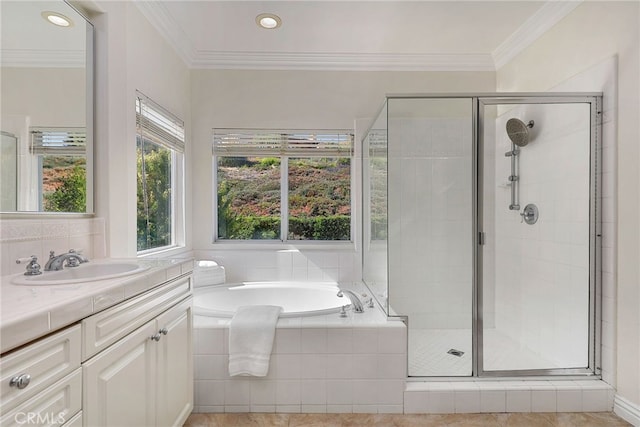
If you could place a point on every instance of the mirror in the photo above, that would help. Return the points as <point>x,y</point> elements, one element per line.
<point>46,80</point>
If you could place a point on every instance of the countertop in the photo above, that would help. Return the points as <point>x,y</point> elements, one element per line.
<point>28,312</point>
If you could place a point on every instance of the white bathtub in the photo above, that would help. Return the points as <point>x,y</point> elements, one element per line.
<point>296,299</point>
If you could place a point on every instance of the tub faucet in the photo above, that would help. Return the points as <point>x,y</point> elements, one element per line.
<point>355,301</point>
<point>56,263</point>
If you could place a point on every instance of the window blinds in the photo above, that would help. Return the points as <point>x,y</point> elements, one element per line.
<point>158,125</point>
<point>58,141</point>
<point>299,143</point>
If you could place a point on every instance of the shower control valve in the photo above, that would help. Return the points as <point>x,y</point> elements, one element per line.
<point>529,214</point>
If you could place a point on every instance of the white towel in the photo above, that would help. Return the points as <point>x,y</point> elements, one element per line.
<point>251,334</point>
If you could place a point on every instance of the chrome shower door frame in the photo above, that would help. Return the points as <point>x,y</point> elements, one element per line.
<point>595,229</point>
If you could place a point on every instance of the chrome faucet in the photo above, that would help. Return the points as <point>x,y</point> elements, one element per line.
<point>355,301</point>
<point>56,263</point>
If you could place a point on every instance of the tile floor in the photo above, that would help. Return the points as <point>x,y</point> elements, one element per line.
<point>592,419</point>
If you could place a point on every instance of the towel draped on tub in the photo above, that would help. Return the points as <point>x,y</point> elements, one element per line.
<point>251,334</point>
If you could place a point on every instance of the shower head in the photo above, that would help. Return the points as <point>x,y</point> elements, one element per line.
<point>518,131</point>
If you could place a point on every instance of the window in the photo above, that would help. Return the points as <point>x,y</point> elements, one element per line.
<point>160,165</point>
<point>61,168</point>
<point>282,185</point>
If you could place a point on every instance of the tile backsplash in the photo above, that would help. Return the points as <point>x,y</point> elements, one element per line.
<point>20,238</point>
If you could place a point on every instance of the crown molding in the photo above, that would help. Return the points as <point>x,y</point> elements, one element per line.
<point>43,58</point>
<point>341,61</point>
<point>160,18</point>
<point>539,23</point>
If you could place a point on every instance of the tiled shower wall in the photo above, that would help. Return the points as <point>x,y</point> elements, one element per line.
<point>430,219</point>
<point>542,269</point>
<point>20,238</point>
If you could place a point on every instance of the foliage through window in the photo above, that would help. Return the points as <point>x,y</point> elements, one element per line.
<point>159,155</point>
<point>283,185</point>
<point>62,168</point>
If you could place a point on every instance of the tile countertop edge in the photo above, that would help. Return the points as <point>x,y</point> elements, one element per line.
<point>53,307</point>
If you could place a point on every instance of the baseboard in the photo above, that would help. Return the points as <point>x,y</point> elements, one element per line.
<point>627,410</point>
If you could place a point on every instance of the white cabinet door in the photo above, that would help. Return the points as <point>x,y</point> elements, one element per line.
<point>119,384</point>
<point>175,365</point>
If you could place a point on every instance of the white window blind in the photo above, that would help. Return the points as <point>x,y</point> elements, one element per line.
<point>300,143</point>
<point>58,141</point>
<point>158,125</point>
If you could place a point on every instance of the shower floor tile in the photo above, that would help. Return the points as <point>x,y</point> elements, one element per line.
<point>428,353</point>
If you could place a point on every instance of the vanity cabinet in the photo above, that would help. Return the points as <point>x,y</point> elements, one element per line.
<point>145,377</point>
<point>130,364</point>
<point>42,382</point>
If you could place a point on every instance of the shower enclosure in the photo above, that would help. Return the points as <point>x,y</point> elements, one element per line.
<point>481,229</point>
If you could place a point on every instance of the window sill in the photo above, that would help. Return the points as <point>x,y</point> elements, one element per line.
<point>281,246</point>
<point>164,252</point>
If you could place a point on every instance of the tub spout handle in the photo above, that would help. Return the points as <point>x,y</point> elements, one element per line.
<point>343,311</point>
<point>355,301</point>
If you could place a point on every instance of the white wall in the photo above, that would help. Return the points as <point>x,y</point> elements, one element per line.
<point>298,100</point>
<point>594,32</point>
<point>542,269</point>
<point>131,56</point>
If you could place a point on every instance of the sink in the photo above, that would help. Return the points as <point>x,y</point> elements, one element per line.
<point>88,272</point>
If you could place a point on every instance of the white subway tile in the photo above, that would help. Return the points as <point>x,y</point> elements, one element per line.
<point>287,340</point>
<point>365,366</point>
<point>340,392</point>
<point>415,402</point>
<point>263,392</point>
<point>264,409</point>
<point>313,340</point>
<point>237,392</point>
<point>390,392</point>
<point>211,367</point>
<point>313,392</point>
<point>313,409</point>
<point>440,402</point>
<point>339,340</point>
<point>339,409</point>
<point>340,366</point>
<point>518,400</point>
<point>209,393</point>
<point>365,392</point>
<point>543,401</point>
<point>365,340</point>
<point>467,402</point>
<point>392,340</point>
<point>493,400</point>
<point>288,409</point>
<point>237,408</point>
<point>595,400</point>
<point>287,366</point>
<point>392,365</point>
<point>569,400</point>
<point>288,392</point>
<point>313,366</point>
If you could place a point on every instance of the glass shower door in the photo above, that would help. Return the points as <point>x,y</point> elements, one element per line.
<point>538,218</point>
<point>430,220</point>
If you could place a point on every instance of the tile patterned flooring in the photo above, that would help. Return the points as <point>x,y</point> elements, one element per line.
<point>582,419</point>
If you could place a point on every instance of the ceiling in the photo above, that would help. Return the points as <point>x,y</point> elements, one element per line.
<point>353,35</point>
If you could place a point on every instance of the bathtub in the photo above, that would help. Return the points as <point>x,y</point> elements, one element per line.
<point>296,299</point>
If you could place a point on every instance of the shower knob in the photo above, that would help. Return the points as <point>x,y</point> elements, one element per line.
<point>530,214</point>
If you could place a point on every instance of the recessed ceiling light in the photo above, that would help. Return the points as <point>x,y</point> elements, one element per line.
<point>268,21</point>
<point>57,19</point>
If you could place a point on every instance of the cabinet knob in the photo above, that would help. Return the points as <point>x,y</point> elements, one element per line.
<point>20,381</point>
<point>164,331</point>
<point>156,337</point>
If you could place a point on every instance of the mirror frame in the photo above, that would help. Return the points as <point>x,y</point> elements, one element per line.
<point>89,125</point>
